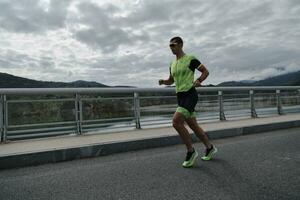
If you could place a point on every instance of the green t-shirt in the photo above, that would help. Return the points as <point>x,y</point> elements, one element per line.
<point>182,71</point>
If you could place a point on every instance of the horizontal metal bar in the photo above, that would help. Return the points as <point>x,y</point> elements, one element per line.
<point>158,109</point>
<point>107,125</point>
<point>22,91</point>
<point>236,104</point>
<point>267,94</point>
<point>239,94</point>
<point>261,97</point>
<point>207,105</point>
<point>105,130</point>
<point>39,135</point>
<point>208,95</point>
<point>289,97</point>
<point>296,107</point>
<point>234,100</point>
<point>41,124</point>
<point>209,101</point>
<point>108,98</point>
<point>156,120</point>
<point>264,97</point>
<point>40,130</point>
<point>39,100</point>
<point>234,97</point>
<point>157,123</point>
<point>157,97</point>
<point>111,119</point>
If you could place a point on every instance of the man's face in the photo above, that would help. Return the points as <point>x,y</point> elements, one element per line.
<point>175,47</point>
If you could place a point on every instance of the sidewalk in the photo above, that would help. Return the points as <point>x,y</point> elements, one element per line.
<point>49,150</point>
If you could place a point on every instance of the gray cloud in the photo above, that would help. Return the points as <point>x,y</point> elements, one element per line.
<point>102,29</point>
<point>29,16</point>
<point>19,63</point>
<point>235,39</point>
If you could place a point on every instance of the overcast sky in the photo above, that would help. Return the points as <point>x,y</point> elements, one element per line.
<point>125,42</point>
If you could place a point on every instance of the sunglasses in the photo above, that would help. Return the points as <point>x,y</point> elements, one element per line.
<point>173,44</point>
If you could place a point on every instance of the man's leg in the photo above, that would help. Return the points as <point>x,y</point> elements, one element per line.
<point>192,122</point>
<point>210,149</point>
<point>178,124</point>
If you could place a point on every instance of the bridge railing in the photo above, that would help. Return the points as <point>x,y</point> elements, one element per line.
<point>43,112</point>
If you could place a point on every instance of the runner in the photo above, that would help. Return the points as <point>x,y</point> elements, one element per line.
<point>182,74</point>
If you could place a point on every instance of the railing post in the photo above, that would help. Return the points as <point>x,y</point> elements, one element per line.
<point>1,118</point>
<point>78,113</point>
<point>221,106</point>
<point>137,111</point>
<point>252,105</point>
<point>278,102</point>
<point>4,118</point>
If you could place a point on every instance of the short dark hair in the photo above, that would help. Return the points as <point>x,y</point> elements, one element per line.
<point>177,39</point>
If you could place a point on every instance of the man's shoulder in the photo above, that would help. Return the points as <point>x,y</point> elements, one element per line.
<point>191,57</point>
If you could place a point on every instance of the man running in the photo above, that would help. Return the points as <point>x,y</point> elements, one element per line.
<point>182,73</point>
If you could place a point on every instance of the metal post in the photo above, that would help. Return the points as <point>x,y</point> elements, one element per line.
<point>1,118</point>
<point>78,113</point>
<point>137,111</point>
<point>4,118</point>
<point>252,105</point>
<point>221,106</point>
<point>278,102</point>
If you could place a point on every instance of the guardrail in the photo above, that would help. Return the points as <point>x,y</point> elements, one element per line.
<point>43,112</point>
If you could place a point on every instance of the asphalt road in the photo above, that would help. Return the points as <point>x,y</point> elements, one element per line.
<point>261,166</point>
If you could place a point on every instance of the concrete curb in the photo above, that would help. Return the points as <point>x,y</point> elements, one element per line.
<point>101,149</point>
<point>246,130</point>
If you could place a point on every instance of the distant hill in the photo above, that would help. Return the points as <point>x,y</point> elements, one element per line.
<point>296,83</point>
<point>232,83</point>
<point>289,79</point>
<point>11,81</point>
<point>81,83</point>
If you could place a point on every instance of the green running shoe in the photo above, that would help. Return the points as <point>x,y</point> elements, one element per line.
<point>209,153</point>
<point>190,159</point>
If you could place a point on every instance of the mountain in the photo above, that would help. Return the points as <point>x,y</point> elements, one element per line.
<point>296,83</point>
<point>233,83</point>
<point>11,81</point>
<point>284,80</point>
<point>289,79</point>
<point>82,83</point>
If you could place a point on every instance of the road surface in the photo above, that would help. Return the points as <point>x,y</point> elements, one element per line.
<point>260,166</point>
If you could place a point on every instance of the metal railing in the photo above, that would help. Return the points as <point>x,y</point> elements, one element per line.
<point>44,112</point>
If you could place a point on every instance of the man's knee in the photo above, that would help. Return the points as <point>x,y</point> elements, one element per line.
<point>192,123</point>
<point>177,122</point>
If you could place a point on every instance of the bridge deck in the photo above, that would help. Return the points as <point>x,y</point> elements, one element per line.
<point>259,166</point>
<point>39,151</point>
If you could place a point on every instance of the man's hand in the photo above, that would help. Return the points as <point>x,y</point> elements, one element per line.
<point>160,81</point>
<point>197,83</point>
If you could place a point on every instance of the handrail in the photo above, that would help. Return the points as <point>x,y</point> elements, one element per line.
<point>21,91</point>
<point>135,95</point>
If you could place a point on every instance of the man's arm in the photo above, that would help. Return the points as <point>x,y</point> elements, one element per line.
<point>168,81</point>
<point>204,75</point>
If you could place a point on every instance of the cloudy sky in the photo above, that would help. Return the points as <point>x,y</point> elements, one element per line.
<point>125,42</point>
